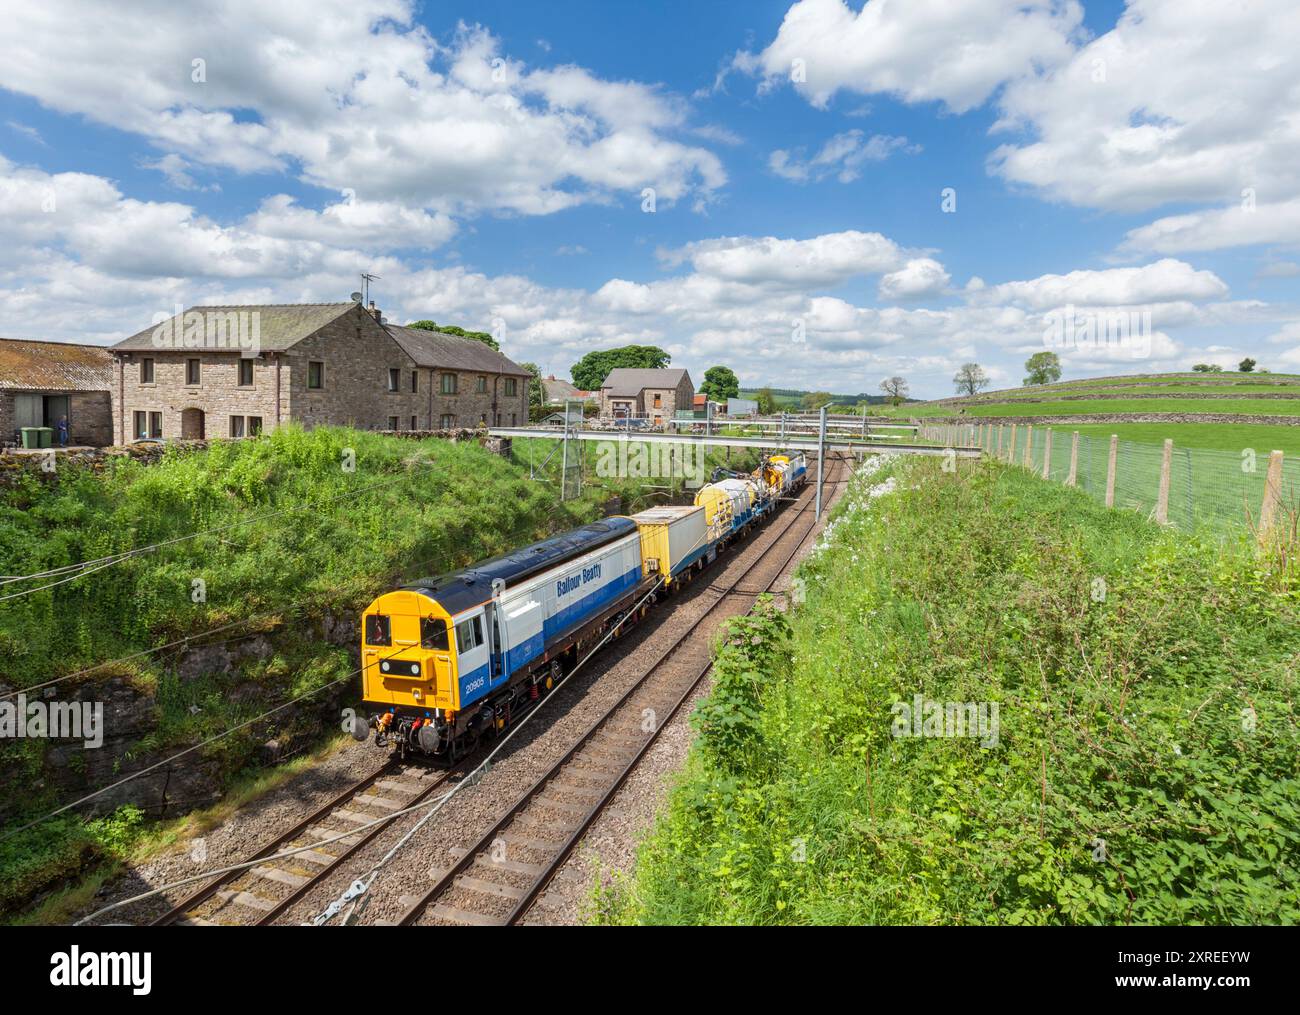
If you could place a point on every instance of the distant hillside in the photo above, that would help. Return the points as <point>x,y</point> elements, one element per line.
<point>1226,410</point>
<point>793,397</point>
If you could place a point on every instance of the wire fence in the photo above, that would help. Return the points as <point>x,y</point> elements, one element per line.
<point>1201,486</point>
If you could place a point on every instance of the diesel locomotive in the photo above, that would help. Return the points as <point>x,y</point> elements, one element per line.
<point>449,660</point>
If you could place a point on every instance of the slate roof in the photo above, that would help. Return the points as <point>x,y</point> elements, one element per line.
<point>281,325</point>
<point>54,366</point>
<point>434,349</point>
<point>624,382</point>
<point>557,389</point>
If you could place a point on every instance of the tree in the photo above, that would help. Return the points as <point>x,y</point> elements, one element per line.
<point>766,402</point>
<point>970,379</point>
<point>1043,368</point>
<point>451,329</point>
<point>1208,368</point>
<point>720,383</point>
<point>895,388</point>
<point>589,373</point>
<point>814,400</point>
<point>536,393</point>
<point>1246,366</point>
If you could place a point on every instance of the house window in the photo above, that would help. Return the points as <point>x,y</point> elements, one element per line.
<point>447,422</point>
<point>413,426</point>
<point>245,373</point>
<point>513,417</point>
<point>254,425</point>
<point>447,384</point>
<point>394,379</point>
<point>236,426</point>
<point>415,383</point>
<point>146,371</point>
<point>512,387</point>
<point>192,371</point>
<point>393,423</point>
<point>155,424</point>
<point>480,386</point>
<point>141,428</point>
<point>315,375</point>
<point>659,400</point>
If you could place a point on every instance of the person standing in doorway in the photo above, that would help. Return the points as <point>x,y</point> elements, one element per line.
<point>63,431</point>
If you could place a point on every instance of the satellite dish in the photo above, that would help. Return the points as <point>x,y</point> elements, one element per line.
<point>356,297</point>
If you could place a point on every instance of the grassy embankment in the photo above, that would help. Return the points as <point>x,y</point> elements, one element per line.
<point>1147,759</point>
<point>408,508</point>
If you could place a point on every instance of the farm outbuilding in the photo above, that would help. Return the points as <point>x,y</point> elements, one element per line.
<point>43,382</point>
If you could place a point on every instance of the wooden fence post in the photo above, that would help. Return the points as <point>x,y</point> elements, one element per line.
<point>1074,460</point>
<point>1272,496</point>
<point>1110,470</point>
<point>1162,497</point>
<point>1011,451</point>
<point>1047,455</point>
<point>1029,446</point>
<point>1001,427</point>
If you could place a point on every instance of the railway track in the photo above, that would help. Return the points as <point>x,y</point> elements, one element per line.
<point>497,879</point>
<point>260,894</point>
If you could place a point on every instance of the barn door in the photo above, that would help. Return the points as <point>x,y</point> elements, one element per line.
<point>56,407</point>
<point>29,410</point>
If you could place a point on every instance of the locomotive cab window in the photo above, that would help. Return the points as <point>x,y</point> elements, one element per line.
<point>469,634</point>
<point>378,630</point>
<point>433,634</point>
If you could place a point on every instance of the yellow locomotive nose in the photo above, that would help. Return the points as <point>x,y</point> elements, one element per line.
<point>406,653</point>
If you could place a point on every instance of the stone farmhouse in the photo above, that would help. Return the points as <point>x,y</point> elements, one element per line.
<point>234,371</point>
<point>42,382</point>
<point>652,394</point>
<point>558,391</point>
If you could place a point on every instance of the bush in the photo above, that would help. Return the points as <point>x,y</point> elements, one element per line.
<point>1147,763</point>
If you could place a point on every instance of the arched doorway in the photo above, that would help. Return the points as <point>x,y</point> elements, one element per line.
<point>192,425</point>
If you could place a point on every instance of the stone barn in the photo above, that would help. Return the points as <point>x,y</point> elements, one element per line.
<point>41,382</point>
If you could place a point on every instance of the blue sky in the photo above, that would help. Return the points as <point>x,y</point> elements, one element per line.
<point>491,162</point>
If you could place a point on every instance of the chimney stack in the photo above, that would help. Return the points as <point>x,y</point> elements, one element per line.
<point>374,311</point>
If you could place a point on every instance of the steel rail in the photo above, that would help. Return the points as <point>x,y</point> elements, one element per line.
<point>191,902</point>
<point>448,878</point>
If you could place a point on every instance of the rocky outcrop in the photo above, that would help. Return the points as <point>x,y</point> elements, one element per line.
<point>67,770</point>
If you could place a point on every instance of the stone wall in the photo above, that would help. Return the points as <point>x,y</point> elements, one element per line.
<point>357,355</point>
<point>218,394</point>
<point>130,715</point>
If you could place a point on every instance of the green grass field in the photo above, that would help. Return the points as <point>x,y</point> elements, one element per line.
<point>1221,406</point>
<point>1233,437</point>
<point>1114,395</point>
<point>1145,769</point>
